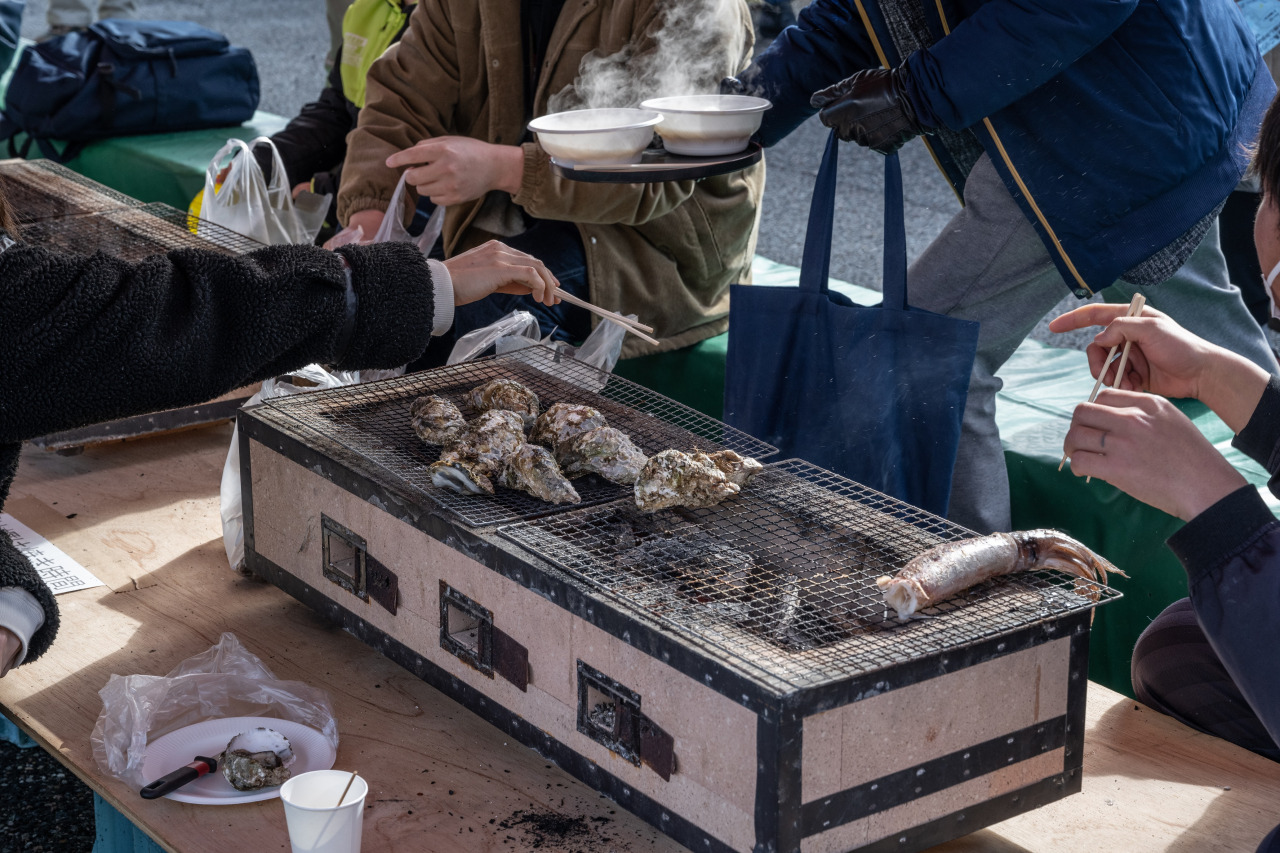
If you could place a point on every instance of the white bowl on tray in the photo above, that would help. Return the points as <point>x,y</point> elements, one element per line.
<point>708,125</point>
<point>596,137</point>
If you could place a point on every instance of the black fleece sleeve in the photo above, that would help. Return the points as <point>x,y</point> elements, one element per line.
<point>1260,438</point>
<point>85,339</point>
<point>1231,552</point>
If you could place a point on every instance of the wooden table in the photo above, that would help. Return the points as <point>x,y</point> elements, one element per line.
<point>143,516</point>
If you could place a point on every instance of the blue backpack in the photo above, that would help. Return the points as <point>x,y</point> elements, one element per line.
<point>124,77</point>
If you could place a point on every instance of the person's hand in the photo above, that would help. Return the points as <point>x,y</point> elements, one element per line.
<point>1144,446</point>
<point>299,189</point>
<point>456,169</point>
<point>10,645</point>
<point>368,221</point>
<point>497,268</point>
<point>1168,360</point>
<point>870,108</point>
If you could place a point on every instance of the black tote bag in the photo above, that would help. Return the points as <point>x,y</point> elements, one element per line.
<point>873,393</point>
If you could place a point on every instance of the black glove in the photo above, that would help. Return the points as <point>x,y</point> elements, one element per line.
<point>870,108</point>
<point>732,86</point>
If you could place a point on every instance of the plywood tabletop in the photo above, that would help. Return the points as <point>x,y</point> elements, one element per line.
<point>143,516</point>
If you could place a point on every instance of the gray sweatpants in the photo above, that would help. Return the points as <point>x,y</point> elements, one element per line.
<point>989,265</point>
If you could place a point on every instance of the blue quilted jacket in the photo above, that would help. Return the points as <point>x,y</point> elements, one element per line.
<point>1116,124</point>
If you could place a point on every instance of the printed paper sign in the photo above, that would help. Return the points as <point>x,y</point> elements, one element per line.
<point>1263,17</point>
<point>59,572</point>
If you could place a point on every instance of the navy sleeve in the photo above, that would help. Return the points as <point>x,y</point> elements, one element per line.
<point>827,44</point>
<point>1231,552</point>
<point>1260,438</point>
<point>1004,51</point>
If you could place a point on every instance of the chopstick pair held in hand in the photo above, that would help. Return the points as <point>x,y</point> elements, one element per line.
<point>1135,308</point>
<point>635,328</point>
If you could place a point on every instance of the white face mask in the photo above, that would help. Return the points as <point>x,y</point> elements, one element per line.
<point>1270,277</point>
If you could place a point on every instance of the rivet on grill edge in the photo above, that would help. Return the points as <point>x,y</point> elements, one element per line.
<point>920,772</point>
<point>873,787</point>
<point>1010,740</point>
<point>918,789</point>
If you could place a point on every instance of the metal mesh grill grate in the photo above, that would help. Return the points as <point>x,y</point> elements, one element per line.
<point>372,421</point>
<point>782,577</point>
<point>42,189</point>
<point>134,233</point>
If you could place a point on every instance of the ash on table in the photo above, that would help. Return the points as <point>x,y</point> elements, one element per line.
<point>552,831</point>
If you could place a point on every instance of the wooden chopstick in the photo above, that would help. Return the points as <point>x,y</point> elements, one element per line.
<point>635,328</point>
<point>348,788</point>
<point>1135,308</point>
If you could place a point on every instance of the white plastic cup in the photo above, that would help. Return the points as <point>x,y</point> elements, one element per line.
<point>316,824</point>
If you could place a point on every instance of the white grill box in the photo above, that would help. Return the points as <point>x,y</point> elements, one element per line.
<point>729,674</point>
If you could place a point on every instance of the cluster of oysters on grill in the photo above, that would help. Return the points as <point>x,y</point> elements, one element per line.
<point>567,440</point>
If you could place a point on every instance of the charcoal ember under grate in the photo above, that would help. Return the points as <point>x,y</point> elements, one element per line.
<point>373,422</point>
<point>782,577</point>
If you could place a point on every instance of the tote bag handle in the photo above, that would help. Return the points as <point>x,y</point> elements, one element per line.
<point>815,268</point>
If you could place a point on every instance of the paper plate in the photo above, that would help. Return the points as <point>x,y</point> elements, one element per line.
<point>167,753</point>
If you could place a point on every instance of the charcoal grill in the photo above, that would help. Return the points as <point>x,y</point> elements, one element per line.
<point>372,422</point>
<point>41,189</point>
<point>134,233</point>
<point>730,674</point>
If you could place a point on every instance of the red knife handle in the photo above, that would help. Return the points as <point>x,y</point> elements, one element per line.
<point>175,780</point>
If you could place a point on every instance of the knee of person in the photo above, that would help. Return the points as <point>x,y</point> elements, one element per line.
<point>1271,844</point>
<point>1144,672</point>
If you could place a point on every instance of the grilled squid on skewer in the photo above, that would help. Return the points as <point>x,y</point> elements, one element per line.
<point>952,567</point>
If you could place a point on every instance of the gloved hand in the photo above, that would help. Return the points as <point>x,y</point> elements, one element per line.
<point>870,108</point>
<point>732,86</point>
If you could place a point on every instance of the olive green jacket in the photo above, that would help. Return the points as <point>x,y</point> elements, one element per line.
<point>666,252</point>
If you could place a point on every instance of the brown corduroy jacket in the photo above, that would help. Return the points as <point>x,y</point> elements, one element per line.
<point>666,252</point>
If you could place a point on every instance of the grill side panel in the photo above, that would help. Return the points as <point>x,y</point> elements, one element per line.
<point>715,779</point>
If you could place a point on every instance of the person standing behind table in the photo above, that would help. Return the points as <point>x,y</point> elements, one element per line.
<point>89,338</point>
<point>1078,165</point>
<point>65,16</point>
<point>451,101</point>
<point>314,143</point>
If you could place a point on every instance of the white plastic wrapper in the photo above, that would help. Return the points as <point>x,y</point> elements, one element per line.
<point>226,680</point>
<point>314,377</point>
<point>248,205</point>
<point>517,324</point>
<point>392,229</point>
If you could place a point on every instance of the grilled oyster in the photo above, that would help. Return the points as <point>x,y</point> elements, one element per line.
<point>737,468</point>
<point>673,478</point>
<point>562,423</point>
<point>534,470</point>
<point>459,475</point>
<point>605,451</point>
<point>505,395</point>
<point>488,439</point>
<point>436,420</point>
<point>256,758</point>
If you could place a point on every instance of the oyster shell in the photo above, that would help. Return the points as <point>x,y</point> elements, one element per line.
<point>605,451</point>
<point>533,469</point>
<point>505,395</point>
<point>488,440</point>
<point>256,759</point>
<point>458,475</point>
<point>436,420</point>
<point>673,478</point>
<point>562,423</point>
<point>737,468</point>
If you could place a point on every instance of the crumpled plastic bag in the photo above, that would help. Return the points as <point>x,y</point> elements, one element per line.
<point>519,329</point>
<point>520,325</point>
<point>246,203</point>
<point>392,229</point>
<point>313,377</point>
<point>226,680</point>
